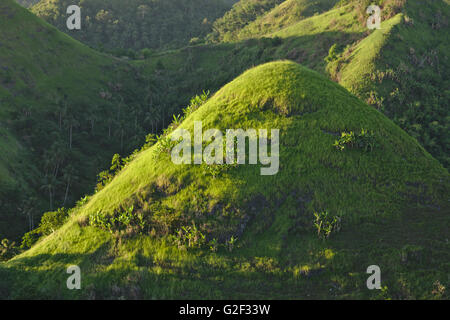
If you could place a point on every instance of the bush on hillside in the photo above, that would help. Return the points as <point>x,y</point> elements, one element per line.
<point>8,249</point>
<point>325,224</point>
<point>364,140</point>
<point>50,222</point>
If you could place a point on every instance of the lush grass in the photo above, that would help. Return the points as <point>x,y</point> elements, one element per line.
<point>287,13</point>
<point>279,255</point>
<point>392,202</point>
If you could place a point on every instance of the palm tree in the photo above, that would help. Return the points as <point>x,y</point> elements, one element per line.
<point>49,183</point>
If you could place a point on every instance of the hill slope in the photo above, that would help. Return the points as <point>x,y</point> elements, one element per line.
<point>65,109</point>
<point>285,14</point>
<point>374,195</point>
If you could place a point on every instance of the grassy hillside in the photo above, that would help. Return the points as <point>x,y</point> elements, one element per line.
<point>380,198</point>
<point>27,3</point>
<point>241,14</point>
<point>65,110</point>
<point>136,24</point>
<point>404,73</point>
<point>283,15</point>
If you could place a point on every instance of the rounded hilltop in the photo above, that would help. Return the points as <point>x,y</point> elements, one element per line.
<point>169,231</point>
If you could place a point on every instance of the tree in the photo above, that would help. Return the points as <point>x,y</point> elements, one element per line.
<point>49,183</point>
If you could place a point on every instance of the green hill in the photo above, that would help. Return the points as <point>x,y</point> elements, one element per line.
<point>377,199</point>
<point>241,14</point>
<point>136,24</point>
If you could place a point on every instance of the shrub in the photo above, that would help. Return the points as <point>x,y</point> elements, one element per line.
<point>332,55</point>
<point>165,145</point>
<point>364,140</point>
<point>195,103</point>
<point>146,53</point>
<point>213,245</point>
<point>195,41</point>
<point>231,243</point>
<point>8,249</point>
<point>50,222</point>
<point>29,239</point>
<point>326,224</point>
<point>190,237</point>
<point>119,221</point>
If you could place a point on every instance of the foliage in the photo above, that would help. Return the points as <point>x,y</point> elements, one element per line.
<point>30,238</point>
<point>62,122</point>
<point>117,222</point>
<point>325,224</point>
<point>50,222</point>
<point>231,243</point>
<point>135,24</point>
<point>332,55</point>
<point>364,140</point>
<point>8,249</point>
<point>190,237</point>
<point>286,13</point>
<point>399,70</point>
<point>27,3</point>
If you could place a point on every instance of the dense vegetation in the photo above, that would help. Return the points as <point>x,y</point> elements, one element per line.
<point>408,86</point>
<point>158,229</point>
<point>136,24</point>
<point>66,110</point>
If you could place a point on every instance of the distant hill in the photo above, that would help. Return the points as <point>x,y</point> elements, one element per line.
<point>243,13</point>
<point>136,24</point>
<point>165,231</point>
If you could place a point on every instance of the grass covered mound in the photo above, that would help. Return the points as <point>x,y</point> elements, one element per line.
<point>337,205</point>
<point>285,14</point>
